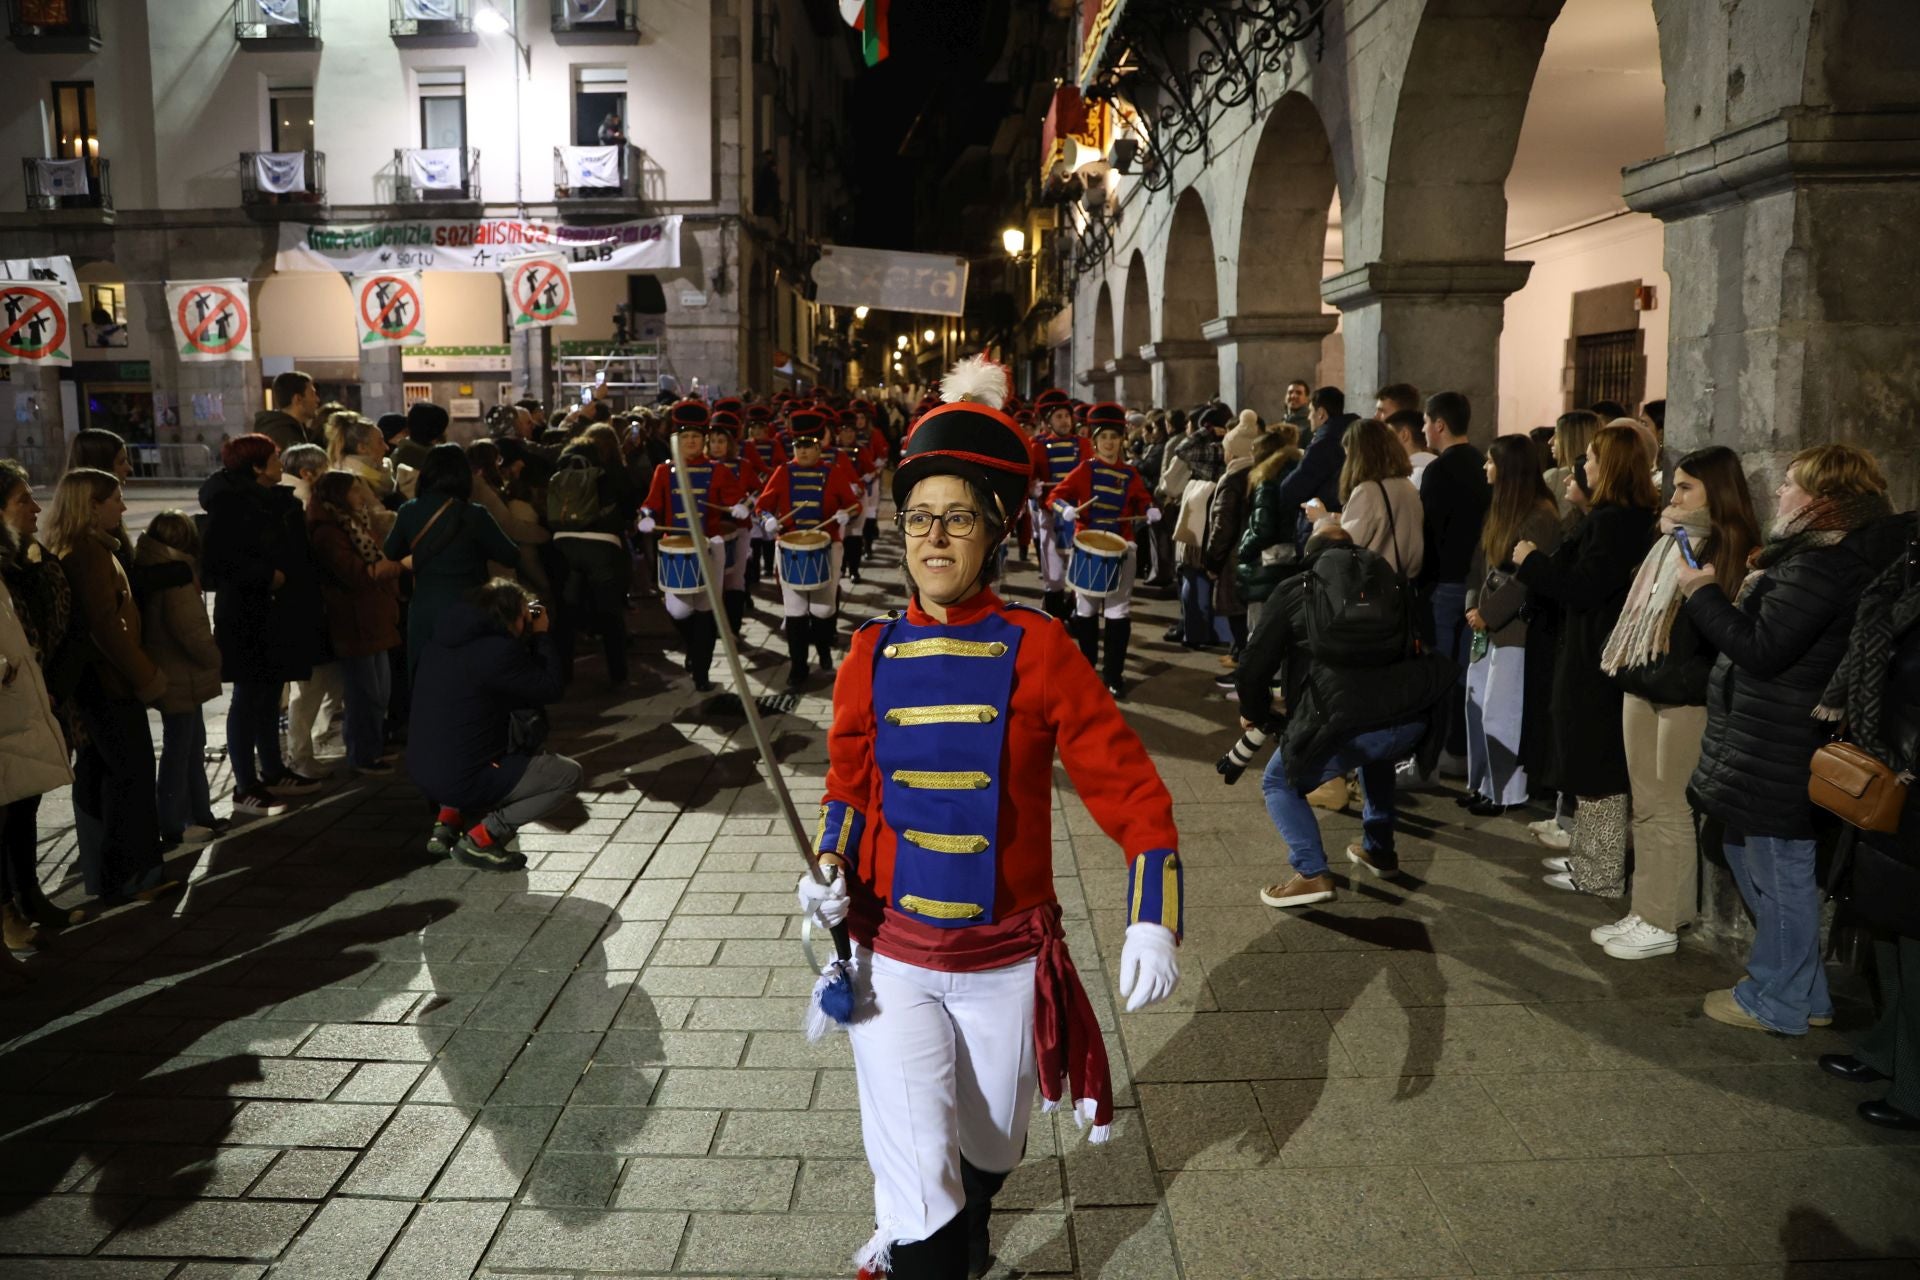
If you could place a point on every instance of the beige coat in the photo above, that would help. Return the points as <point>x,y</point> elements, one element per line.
<point>177,635</point>
<point>1401,540</point>
<point>33,753</point>
<point>520,523</point>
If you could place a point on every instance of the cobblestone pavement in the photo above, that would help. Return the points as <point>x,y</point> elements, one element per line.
<point>334,1058</point>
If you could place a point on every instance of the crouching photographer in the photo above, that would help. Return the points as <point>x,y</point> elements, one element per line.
<point>476,744</point>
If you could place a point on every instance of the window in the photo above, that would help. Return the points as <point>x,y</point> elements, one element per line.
<point>292,124</point>
<point>443,109</point>
<point>1604,365</point>
<point>74,122</point>
<point>599,106</point>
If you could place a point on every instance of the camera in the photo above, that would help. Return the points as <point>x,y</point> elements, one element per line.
<point>1231,765</point>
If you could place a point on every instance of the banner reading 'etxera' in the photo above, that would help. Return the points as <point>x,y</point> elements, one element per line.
<point>476,244</point>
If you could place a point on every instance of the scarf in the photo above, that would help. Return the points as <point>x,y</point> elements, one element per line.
<point>359,531</point>
<point>1824,522</point>
<point>1645,627</point>
<point>1888,609</point>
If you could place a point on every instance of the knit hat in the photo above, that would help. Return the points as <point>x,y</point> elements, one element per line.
<point>968,436</point>
<point>392,424</point>
<point>1217,416</point>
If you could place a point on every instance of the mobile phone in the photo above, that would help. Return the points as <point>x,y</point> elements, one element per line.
<point>1686,547</point>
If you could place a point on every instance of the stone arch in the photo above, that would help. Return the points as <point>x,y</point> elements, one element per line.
<point>1136,316</point>
<point>1104,348</point>
<point>1189,282</point>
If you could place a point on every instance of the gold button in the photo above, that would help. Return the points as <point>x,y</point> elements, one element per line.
<point>891,651</point>
<point>996,649</point>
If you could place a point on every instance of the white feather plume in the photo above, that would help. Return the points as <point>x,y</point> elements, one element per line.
<point>975,379</point>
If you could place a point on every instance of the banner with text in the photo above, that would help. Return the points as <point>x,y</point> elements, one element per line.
<point>477,244</point>
<point>889,281</point>
<point>211,320</point>
<point>539,294</point>
<point>388,310</point>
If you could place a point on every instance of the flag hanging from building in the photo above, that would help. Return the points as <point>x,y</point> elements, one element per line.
<point>430,10</point>
<point>539,291</point>
<point>284,13</point>
<point>869,18</point>
<point>33,325</point>
<point>591,166</point>
<point>436,168</point>
<point>62,177</point>
<point>211,320</point>
<point>280,172</point>
<point>388,309</point>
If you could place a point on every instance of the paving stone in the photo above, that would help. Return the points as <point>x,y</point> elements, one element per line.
<point>211,1229</point>
<point>308,1124</point>
<point>1324,1222</point>
<point>609,1084</point>
<point>64,1224</point>
<point>1029,1244</point>
<point>740,1186</point>
<point>518,1001</point>
<point>1232,1046</point>
<point>290,1078</point>
<point>1125,1243</point>
<point>825,1135</point>
<point>159,1169</point>
<point>547,1069</point>
<point>303,1175</point>
<point>375,1043</point>
<point>714,1013</point>
<point>407,1155</point>
<point>98,1269</point>
<point>817,1244</point>
<point>220,1271</point>
<point>587,1240</point>
<point>660,981</point>
<point>635,1131</point>
<point>1118,1171</point>
<point>573,1180</point>
<point>793,1049</point>
<point>471,1066</point>
<point>1392,1122</point>
<point>1625,1113</point>
<point>1215,1125</point>
<point>444,1239</point>
<point>379,1082</point>
<point>752,1090</point>
<point>501,1146</point>
<point>1848,1202</point>
<point>679,952</point>
<point>346,1239</point>
<point>589,1001</point>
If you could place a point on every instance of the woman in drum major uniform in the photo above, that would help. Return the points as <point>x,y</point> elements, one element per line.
<point>800,494</point>
<point>946,720</point>
<point>1105,494</point>
<point>718,492</point>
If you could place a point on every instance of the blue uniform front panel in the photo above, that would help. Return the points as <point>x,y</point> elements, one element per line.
<point>806,491</point>
<point>1102,510</point>
<point>700,475</point>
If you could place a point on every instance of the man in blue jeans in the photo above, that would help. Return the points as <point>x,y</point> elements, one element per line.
<point>1331,718</point>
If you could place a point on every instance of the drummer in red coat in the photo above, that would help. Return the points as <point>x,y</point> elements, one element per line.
<point>803,494</point>
<point>946,722</point>
<point>1107,495</point>
<point>717,490</point>
<point>1056,450</point>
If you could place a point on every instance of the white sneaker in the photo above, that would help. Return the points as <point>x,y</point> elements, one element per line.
<point>1603,934</point>
<point>1558,862</point>
<point>1407,777</point>
<point>1561,880</point>
<point>1554,839</point>
<point>1642,942</point>
<point>1544,827</point>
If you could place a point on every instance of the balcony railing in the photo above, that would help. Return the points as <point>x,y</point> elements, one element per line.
<point>595,173</point>
<point>55,26</point>
<point>421,18</point>
<point>424,174</point>
<point>274,21</point>
<point>596,17</point>
<point>67,184</point>
<point>283,177</point>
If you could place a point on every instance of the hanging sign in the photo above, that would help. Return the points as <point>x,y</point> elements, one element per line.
<point>211,320</point>
<point>890,281</point>
<point>476,244</point>
<point>33,326</point>
<point>54,274</point>
<point>539,293</point>
<point>387,309</point>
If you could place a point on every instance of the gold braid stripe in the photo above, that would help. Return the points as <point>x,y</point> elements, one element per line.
<point>941,910</point>
<point>944,713</point>
<point>945,647</point>
<point>925,780</point>
<point>947,844</point>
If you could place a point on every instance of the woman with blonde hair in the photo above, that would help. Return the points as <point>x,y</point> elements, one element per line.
<point>1572,433</point>
<point>179,639</point>
<point>1379,507</point>
<point>1267,553</point>
<point>356,444</point>
<point>115,814</point>
<point>1781,637</point>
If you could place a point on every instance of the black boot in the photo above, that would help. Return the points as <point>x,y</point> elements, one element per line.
<point>1113,673</point>
<point>797,635</point>
<point>735,603</point>
<point>704,634</point>
<point>823,633</point>
<point>981,1187</point>
<point>850,552</point>
<point>1054,603</point>
<point>941,1256</point>
<point>1086,631</point>
<point>684,626</point>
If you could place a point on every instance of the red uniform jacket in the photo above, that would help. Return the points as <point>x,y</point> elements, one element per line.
<point>809,495</point>
<point>1055,456</point>
<point>720,491</point>
<point>1108,496</point>
<point>764,455</point>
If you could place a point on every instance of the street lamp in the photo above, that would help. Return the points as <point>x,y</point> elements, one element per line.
<point>859,313</point>
<point>901,342</point>
<point>930,336</point>
<point>490,21</point>
<point>1014,240</point>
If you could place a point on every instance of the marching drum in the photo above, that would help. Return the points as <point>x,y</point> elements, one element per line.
<point>1097,560</point>
<point>806,559</point>
<point>679,565</point>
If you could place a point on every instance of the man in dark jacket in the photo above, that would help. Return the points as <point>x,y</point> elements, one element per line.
<point>1318,472</point>
<point>1331,719</point>
<point>490,656</point>
<point>295,402</point>
<point>1455,495</point>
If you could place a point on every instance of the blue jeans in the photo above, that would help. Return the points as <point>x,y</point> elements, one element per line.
<point>368,682</point>
<point>1374,753</point>
<point>183,794</point>
<point>1785,983</point>
<point>1448,602</point>
<point>253,733</point>
<point>1196,607</point>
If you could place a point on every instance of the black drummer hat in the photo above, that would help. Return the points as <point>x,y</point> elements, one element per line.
<point>969,437</point>
<point>759,413</point>
<point>1049,400</point>
<point>808,424</point>
<point>688,415</point>
<point>724,420</point>
<point>1107,416</point>
<point>728,404</point>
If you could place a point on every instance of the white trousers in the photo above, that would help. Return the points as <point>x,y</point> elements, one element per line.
<point>682,607</point>
<point>945,1067</point>
<point>870,499</point>
<point>739,551</point>
<point>1117,603</point>
<point>305,698</point>
<point>1053,561</point>
<point>820,602</point>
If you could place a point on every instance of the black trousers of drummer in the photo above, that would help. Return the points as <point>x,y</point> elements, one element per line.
<point>1117,607</point>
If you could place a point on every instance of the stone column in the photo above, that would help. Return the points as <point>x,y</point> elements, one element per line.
<point>1132,381</point>
<point>1099,383</point>
<point>381,381</point>
<point>32,425</point>
<point>1260,354</point>
<point>1184,372</point>
<point>1433,324</point>
<point>533,366</point>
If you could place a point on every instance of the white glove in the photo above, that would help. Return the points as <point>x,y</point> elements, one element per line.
<point>646,524</point>
<point>716,542</point>
<point>1148,970</point>
<point>1153,515</point>
<point>1067,511</point>
<point>772,525</point>
<point>738,511</point>
<point>842,518</point>
<point>825,903</point>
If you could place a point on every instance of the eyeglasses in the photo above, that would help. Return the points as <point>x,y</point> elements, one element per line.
<point>918,524</point>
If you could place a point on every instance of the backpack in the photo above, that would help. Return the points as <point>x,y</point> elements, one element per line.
<point>573,495</point>
<point>1358,614</point>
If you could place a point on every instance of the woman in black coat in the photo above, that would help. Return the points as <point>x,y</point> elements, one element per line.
<point>1779,645</point>
<point>267,615</point>
<point>1587,578</point>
